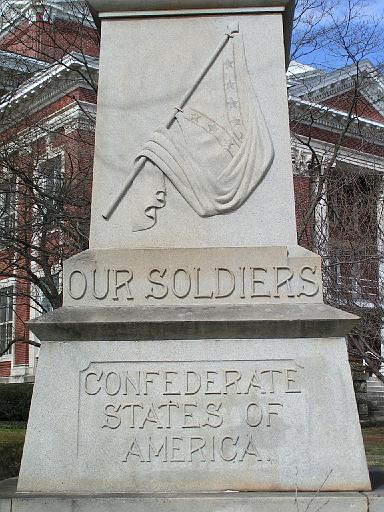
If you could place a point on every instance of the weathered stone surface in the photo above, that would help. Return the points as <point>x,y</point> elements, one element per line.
<point>247,502</point>
<point>205,416</point>
<point>169,55</point>
<point>376,504</point>
<point>5,504</point>
<point>177,396</point>
<point>376,496</point>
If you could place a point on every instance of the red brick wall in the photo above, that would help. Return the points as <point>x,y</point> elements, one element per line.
<point>302,189</point>
<point>78,150</point>
<point>348,141</point>
<point>22,316</point>
<point>5,368</point>
<point>50,40</point>
<point>28,121</point>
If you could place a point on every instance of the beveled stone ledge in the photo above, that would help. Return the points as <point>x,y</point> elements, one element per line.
<point>193,322</point>
<point>148,502</point>
<point>123,6</point>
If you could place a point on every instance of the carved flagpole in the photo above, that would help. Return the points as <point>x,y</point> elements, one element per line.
<point>141,162</point>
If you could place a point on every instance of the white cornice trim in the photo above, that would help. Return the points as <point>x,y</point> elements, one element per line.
<point>20,63</point>
<point>28,13</point>
<point>70,62</point>
<point>80,115</point>
<point>334,111</point>
<point>334,120</point>
<point>348,156</point>
<point>324,80</point>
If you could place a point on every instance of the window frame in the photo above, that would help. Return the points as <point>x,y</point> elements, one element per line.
<point>12,215</point>
<point>49,157</point>
<point>9,283</point>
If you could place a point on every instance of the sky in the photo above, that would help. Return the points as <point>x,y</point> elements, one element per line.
<point>368,22</point>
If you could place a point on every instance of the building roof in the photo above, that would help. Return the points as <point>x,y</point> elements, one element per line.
<point>315,88</point>
<point>13,12</point>
<point>20,63</point>
<point>41,80</point>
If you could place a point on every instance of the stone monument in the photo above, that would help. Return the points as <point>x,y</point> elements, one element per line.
<point>194,354</point>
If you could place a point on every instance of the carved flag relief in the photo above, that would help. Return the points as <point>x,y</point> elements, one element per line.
<point>215,160</point>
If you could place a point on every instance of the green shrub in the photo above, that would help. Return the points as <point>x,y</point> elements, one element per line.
<point>15,400</point>
<point>10,458</point>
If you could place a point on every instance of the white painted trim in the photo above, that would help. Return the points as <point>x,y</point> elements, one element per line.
<point>345,155</point>
<point>69,63</point>
<point>334,80</point>
<point>49,155</point>
<point>332,119</point>
<point>76,115</point>
<point>28,13</point>
<point>320,86</point>
<point>334,111</point>
<point>16,209</point>
<point>33,313</point>
<point>51,95</point>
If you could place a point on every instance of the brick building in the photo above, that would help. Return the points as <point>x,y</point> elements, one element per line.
<point>337,123</point>
<point>49,56</point>
<point>48,84</point>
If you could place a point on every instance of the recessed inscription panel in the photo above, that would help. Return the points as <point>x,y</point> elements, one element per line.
<point>192,276</point>
<point>177,417</point>
<point>128,417</point>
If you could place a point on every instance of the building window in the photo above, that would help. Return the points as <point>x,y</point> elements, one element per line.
<point>6,318</point>
<point>43,304</point>
<point>51,182</point>
<point>354,276</point>
<point>7,205</point>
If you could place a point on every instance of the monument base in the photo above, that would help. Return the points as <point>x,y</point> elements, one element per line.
<point>194,415</point>
<point>228,502</point>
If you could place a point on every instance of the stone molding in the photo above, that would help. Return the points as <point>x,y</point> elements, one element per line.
<point>270,321</point>
<point>108,6</point>
<point>104,9</point>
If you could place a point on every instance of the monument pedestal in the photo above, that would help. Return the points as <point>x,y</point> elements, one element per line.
<point>252,393</point>
<point>194,364</point>
<point>181,414</point>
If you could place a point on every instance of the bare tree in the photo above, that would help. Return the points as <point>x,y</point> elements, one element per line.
<point>48,85</point>
<point>46,163</point>
<point>340,134</point>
